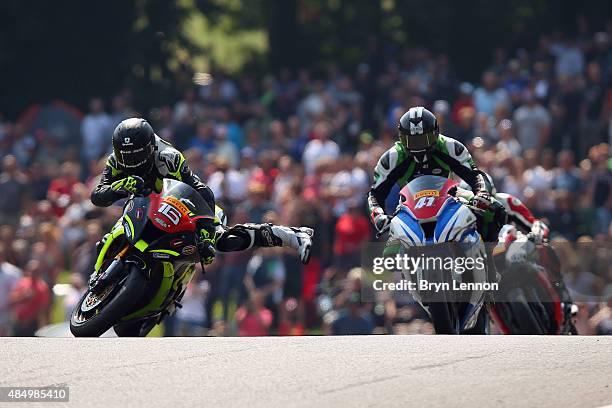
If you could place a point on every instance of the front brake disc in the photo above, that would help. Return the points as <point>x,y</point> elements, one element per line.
<point>93,300</point>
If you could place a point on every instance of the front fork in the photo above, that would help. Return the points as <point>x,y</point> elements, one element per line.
<point>102,247</point>
<point>99,280</point>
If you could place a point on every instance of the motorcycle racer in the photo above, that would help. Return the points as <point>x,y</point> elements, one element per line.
<point>518,213</point>
<point>533,245</point>
<point>422,150</point>
<point>139,163</point>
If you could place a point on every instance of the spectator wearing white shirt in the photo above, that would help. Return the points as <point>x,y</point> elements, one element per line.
<point>539,177</point>
<point>224,148</point>
<point>532,123</point>
<point>321,147</point>
<point>9,275</point>
<point>95,130</point>
<point>507,142</point>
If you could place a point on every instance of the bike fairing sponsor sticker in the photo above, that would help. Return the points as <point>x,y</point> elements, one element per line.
<point>176,203</point>
<point>426,193</point>
<point>127,229</point>
<point>161,222</point>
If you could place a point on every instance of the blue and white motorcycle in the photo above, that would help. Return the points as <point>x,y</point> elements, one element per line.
<point>450,279</point>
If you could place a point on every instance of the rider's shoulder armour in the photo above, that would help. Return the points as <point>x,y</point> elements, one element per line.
<point>168,160</point>
<point>454,149</point>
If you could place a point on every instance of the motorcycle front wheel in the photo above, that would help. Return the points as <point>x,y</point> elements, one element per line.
<point>113,304</point>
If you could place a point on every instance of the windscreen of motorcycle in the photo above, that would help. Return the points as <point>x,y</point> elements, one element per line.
<point>177,207</point>
<point>424,196</point>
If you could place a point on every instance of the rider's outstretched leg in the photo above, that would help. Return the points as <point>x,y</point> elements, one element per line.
<point>245,236</point>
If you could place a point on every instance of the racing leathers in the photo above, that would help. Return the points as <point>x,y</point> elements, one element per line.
<point>245,236</point>
<point>117,183</point>
<point>169,163</point>
<point>522,219</point>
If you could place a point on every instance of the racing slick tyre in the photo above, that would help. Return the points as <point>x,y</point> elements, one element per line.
<point>95,314</point>
<point>524,318</point>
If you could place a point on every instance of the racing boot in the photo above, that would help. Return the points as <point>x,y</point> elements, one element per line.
<point>299,238</point>
<point>268,235</point>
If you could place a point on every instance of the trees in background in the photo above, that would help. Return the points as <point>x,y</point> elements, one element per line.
<point>73,49</point>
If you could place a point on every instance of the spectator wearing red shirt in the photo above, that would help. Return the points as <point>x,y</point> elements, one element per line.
<point>29,300</point>
<point>267,171</point>
<point>464,100</point>
<point>291,323</point>
<point>352,229</point>
<point>253,319</point>
<point>60,189</point>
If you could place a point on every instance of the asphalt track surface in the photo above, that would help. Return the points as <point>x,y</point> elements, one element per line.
<point>391,371</point>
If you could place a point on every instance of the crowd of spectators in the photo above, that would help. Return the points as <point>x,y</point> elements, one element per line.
<point>298,148</point>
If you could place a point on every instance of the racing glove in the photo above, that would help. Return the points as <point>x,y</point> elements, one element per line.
<point>129,185</point>
<point>539,232</point>
<point>382,222</point>
<point>206,241</point>
<point>482,200</point>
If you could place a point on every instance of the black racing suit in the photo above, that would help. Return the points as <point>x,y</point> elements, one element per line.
<point>241,237</point>
<point>169,163</point>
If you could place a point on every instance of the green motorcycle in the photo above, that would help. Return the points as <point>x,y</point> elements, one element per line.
<point>144,265</point>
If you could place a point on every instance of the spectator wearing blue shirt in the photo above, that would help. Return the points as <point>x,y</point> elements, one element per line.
<point>352,321</point>
<point>204,139</point>
<point>488,96</point>
<point>567,176</point>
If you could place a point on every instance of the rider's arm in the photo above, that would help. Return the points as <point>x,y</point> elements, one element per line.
<point>194,181</point>
<point>177,168</point>
<point>518,213</point>
<point>460,161</point>
<point>391,166</point>
<point>103,195</point>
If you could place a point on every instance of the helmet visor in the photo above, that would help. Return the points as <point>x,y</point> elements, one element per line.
<point>419,142</point>
<point>134,158</point>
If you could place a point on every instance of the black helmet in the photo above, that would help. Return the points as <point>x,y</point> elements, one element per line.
<point>418,129</point>
<point>134,144</point>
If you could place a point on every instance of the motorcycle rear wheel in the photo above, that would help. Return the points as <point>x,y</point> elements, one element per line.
<point>524,317</point>
<point>111,311</point>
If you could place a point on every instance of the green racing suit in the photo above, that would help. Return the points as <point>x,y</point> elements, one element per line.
<point>447,158</point>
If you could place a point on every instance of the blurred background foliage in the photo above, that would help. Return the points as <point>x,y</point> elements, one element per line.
<point>72,49</point>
